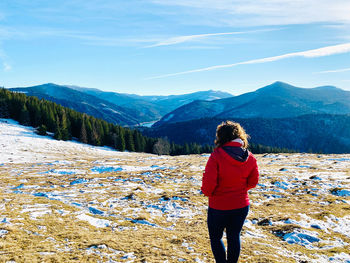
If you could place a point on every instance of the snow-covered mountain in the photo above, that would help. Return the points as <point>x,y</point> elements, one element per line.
<point>75,202</point>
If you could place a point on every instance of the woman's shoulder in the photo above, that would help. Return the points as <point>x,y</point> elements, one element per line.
<point>252,157</point>
<point>215,154</point>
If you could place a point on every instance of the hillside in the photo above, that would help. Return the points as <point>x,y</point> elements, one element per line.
<point>120,108</point>
<point>82,102</point>
<point>70,202</point>
<point>65,124</point>
<point>153,107</point>
<point>278,100</point>
<point>308,133</point>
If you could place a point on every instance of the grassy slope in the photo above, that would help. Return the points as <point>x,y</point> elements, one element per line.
<point>180,233</point>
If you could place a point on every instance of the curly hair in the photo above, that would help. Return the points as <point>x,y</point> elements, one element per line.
<point>228,131</point>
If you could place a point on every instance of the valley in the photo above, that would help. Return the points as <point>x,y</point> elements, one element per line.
<point>278,115</point>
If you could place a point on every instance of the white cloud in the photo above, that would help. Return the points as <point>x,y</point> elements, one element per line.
<point>334,71</point>
<point>6,66</point>
<point>313,53</point>
<point>266,12</point>
<point>26,33</point>
<point>3,58</point>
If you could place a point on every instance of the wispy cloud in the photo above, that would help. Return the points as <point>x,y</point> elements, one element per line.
<point>3,58</point>
<point>334,71</point>
<point>313,53</point>
<point>265,12</point>
<point>6,66</point>
<point>93,38</point>
<point>190,38</point>
<point>87,38</point>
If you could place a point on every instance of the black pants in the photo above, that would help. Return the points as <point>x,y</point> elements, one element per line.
<point>232,221</point>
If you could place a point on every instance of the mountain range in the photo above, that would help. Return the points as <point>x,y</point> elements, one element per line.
<point>119,108</point>
<point>278,100</point>
<point>277,115</point>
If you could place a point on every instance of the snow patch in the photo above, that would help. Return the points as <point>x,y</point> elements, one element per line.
<point>37,210</point>
<point>96,222</point>
<point>3,232</point>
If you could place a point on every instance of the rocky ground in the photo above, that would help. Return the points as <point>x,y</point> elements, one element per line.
<point>69,202</point>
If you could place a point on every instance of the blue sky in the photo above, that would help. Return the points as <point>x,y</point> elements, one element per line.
<point>175,47</point>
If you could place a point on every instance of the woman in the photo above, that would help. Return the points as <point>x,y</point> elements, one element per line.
<point>230,172</point>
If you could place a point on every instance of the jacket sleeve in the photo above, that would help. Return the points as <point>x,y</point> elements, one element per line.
<point>210,175</point>
<point>253,177</point>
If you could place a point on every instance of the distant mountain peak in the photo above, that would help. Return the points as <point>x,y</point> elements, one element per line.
<point>51,84</point>
<point>277,88</point>
<point>327,87</point>
<point>278,85</point>
<point>281,84</point>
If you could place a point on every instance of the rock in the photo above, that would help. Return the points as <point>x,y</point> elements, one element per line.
<point>265,222</point>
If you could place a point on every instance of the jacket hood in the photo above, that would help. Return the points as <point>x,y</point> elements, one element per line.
<point>235,151</point>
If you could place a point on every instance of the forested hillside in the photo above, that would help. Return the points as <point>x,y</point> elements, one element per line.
<point>66,123</point>
<point>118,108</point>
<point>82,102</point>
<point>320,133</point>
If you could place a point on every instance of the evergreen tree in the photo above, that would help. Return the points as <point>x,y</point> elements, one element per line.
<point>129,141</point>
<point>42,130</point>
<point>49,117</point>
<point>194,148</point>
<point>4,108</point>
<point>186,149</point>
<point>143,143</point>
<point>95,138</point>
<point>121,140</point>
<point>24,116</point>
<point>100,132</point>
<point>58,132</point>
<point>206,149</point>
<point>83,135</point>
<point>114,138</point>
<point>140,142</point>
<point>37,117</point>
<point>106,140</point>
<point>65,135</point>
<point>149,145</point>
<point>33,107</point>
<point>75,123</point>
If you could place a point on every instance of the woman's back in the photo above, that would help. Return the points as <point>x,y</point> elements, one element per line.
<point>230,172</point>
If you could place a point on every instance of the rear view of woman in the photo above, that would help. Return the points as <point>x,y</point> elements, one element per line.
<point>230,172</point>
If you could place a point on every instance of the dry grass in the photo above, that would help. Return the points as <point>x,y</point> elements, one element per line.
<point>127,198</point>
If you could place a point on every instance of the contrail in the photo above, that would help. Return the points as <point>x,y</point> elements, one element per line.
<point>313,53</point>
<point>334,71</point>
<point>182,39</point>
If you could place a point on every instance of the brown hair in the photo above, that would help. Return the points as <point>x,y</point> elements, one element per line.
<point>228,131</point>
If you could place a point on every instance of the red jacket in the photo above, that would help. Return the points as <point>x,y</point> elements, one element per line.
<point>230,172</point>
